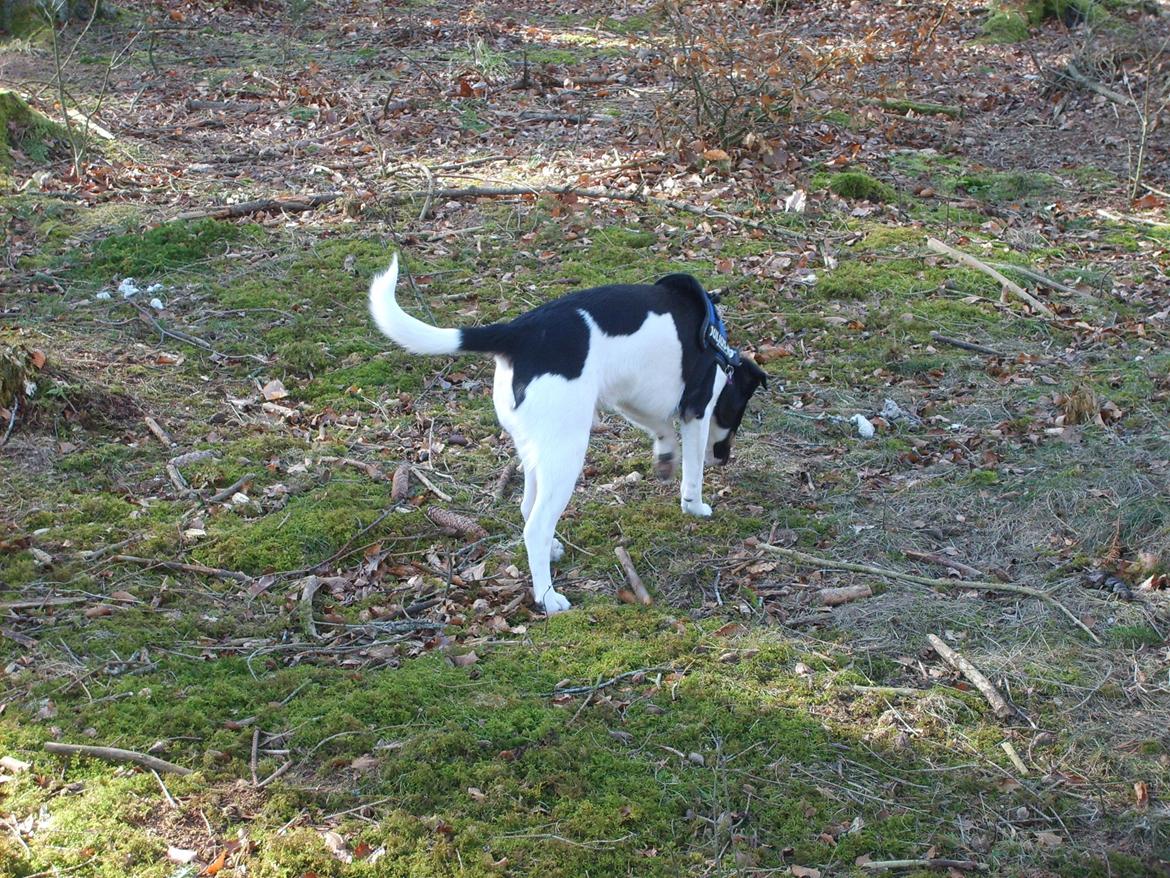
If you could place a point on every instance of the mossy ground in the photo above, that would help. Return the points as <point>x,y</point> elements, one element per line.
<point>754,730</point>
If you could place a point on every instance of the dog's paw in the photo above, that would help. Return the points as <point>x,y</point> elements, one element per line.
<point>695,507</point>
<point>554,602</point>
<point>664,467</point>
<point>558,550</point>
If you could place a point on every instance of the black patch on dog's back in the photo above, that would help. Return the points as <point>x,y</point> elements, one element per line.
<point>553,339</point>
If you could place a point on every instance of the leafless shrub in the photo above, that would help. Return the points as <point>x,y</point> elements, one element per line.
<point>724,89</point>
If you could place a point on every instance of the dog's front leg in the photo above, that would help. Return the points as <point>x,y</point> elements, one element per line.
<point>694,449</point>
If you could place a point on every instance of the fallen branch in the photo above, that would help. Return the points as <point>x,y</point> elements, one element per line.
<point>1042,279</point>
<point>114,754</point>
<point>590,192</point>
<point>264,205</point>
<point>832,597</point>
<point>1008,286</point>
<point>982,585</point>
<point>181,567</point>
<point>1071,72</point>
<point>230,490</point>
<point>36,604</point>
<point>632,576</point>
<point>998,703</point>
<point>944,561</point>
<point>1130,218</point>
<point>929,863</point>
<point>966,345</point>
<point>159,433</point>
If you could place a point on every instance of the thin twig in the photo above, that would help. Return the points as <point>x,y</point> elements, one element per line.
<point>815,561</point>
<point>579,690</point>
<point>167,793</point>
<point>11,421</point>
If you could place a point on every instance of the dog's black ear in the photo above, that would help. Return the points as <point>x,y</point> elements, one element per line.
<point>683,283</point>
<point>760,376</point>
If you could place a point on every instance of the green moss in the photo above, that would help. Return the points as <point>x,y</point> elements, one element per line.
<point>24,129</point>
<point>310,528</point>
<point>1131,636</point>
<point>857,186</point>
<point>1006,26</point>
<point>163,248</point>
<point>1008,186</point>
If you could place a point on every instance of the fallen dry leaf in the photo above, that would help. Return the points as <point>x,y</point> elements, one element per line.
<point>217,864</point>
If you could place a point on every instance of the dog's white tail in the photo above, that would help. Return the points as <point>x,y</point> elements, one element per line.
<point>411,333</point>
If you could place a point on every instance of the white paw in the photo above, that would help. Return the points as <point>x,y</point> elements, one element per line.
<point>695,507</point>
<point>554,602</point>
<point>557,552</point>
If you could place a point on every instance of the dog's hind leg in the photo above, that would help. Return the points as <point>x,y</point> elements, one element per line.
<point>557,466</point>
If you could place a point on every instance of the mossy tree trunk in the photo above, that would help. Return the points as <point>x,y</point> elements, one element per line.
<point>19,17</point>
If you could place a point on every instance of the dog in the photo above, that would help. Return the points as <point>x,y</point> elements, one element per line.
<point>649,352</point>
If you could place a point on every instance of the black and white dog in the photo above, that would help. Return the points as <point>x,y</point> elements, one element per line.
<point>648,352</point>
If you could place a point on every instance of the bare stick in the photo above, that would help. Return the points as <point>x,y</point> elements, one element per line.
<point>159,433</point>
<point>581,192</point>
<point>11,421</point>
<point>179,566</point>
<point>1014,757</point>
<point>632,576</point>
<point>275,775</point>
<point>998,703</point>
<point>263,205</point>
<point>1008,286</point>
<point>114,754</point>
<point>430,485</point>
<point>230,490</point>
<point>832,597</point>
<point>255,747</point>
<point>170,799</point>
<point>982,585</point>
<point>37,603</point>
<point>966,345</point>
<point>944,561</point>
<point>931,863</point>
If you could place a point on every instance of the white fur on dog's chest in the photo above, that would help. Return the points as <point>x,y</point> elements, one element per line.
<point>642,371</point>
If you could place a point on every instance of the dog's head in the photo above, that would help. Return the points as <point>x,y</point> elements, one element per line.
<point>729,408</point>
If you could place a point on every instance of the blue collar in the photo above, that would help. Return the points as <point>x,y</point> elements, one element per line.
<point>715,334</point>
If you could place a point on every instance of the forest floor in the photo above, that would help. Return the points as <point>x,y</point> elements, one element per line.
<point>203,556</point>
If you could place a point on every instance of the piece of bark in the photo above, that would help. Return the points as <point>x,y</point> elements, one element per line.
<point>503,481</point>
<point>928,863</point>
<point>632,577</point>
<point>832,597</point>
<point>1009,286</point>
<point>263,205</point>
<point>999,704</point>
<point>115,754</point>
